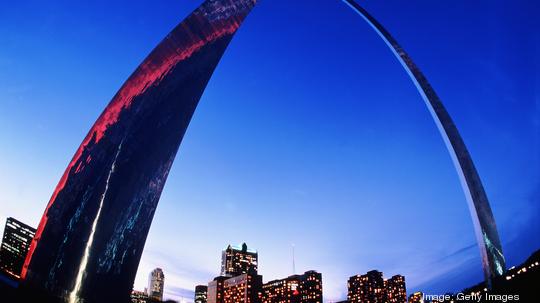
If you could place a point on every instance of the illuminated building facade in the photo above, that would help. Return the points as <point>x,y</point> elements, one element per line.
<point>396,291</point>
<point>311,287</point>
<point>368,288</point>
<point>156,283</point>
<point>92,233</point>
<point>15,245</point>
<point>139,297</point>
<point>417,297</point>
<point>306,288</point>
<point>215,290</point>
<point>201,294</point>
<point>238,260</point>
<point>239,281</point>
<point>282,291</point>
<point>245,288</point>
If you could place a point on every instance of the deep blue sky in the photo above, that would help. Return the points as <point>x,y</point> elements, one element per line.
<point>310,133</point>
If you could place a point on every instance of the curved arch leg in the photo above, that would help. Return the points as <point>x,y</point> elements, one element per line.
<point>484,223</point>
<point>91,236</point>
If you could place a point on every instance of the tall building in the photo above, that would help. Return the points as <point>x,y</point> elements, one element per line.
<point>201,294</point>
<point>306,288</point>
<point>215,290</point>
<point>417,297</point>
<point>238,260</point>
<point>396,291</point>
<point>15,245</point>
<point>156,283</point>
<point>139,297</point>
<point>368,288</point>
<point>245,288</point>
<point>282,291</point>
<point>91,236</point>
<point>311,287</point>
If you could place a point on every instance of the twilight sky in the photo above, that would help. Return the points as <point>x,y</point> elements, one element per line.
<point>309,132</point>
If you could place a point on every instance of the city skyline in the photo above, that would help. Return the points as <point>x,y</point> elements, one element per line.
<point>280,190</point>
<point>241,274</point>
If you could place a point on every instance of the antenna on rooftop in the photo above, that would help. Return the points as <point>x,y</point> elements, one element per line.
<point>293,265</point>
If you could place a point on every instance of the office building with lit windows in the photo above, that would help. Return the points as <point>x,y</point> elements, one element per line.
<point>396,291</point>
<point>215,290</point>
<point>245,288</point>
<point>294,289</point>
<point>201,294</point>
<point>282,291</point>
<point>15,246</point>
<point>311,287</point>
<point>368,288</point>
<point>238,260</point>
<point>139,297</point>
<point>156,284</point>
<point>417,297</point>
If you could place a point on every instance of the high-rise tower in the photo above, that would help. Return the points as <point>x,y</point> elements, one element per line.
<point>156,284</point>
<point>201,294</point>
<point>368,288</point>
<point>15,245</point>
<point>396,291</point>
<point>238,260</point>
<point>244,288</point>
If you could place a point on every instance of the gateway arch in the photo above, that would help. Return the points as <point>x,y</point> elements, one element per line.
<point>487,237</point>
<point>90,238</point>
